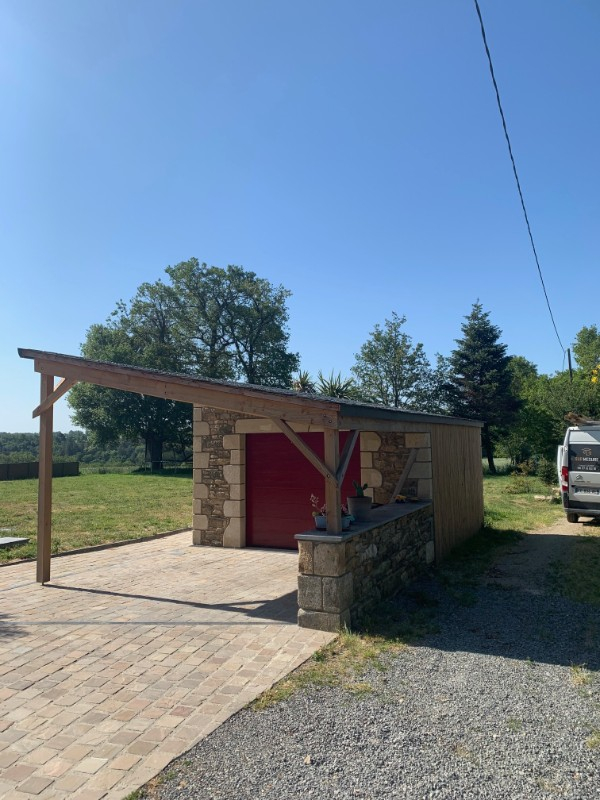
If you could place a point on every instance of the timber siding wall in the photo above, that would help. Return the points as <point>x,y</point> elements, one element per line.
<point>457,485</point>
<point>447,469</point>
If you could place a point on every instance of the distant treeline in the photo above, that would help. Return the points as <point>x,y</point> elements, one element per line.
<point>74,446</point>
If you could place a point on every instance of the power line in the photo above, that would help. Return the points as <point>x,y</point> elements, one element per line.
<point>514,166</point>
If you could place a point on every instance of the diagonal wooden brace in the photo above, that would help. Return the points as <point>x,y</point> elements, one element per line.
<point>304,448</point>
<point>62,388</point>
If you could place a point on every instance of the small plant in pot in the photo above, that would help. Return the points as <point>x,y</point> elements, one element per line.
<point>360,504</point>
<point>319,513</point>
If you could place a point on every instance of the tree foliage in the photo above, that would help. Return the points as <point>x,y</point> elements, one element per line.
<point>587,349</point>
<point>140,335</point>
<point>232,324</point>
<point>531,432</point>
<point>391,370</point>
<point>207,321</point>
<point>481,382</point>
<point>71,446</point>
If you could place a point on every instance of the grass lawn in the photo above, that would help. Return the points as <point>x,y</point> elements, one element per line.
<point>510,504</point>
<point>96,509</point>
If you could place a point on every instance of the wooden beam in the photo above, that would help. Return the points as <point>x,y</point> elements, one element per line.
<point>333,494</point>
<point>190,390</point>
<point>346,455</point>
<point>44,536</point>
<point>62,388</point>
<point>304,448</point>
<point>405,473</point>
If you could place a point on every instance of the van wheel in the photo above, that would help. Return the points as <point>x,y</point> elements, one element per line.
<point>572,517</point>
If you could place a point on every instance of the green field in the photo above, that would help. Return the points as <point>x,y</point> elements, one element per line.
<point>96,509</point>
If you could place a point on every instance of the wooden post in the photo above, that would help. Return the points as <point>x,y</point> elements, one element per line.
<point>44,536</point>
<point>333,494</point>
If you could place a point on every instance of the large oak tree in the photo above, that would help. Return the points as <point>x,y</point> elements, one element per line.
<point>205,321</point>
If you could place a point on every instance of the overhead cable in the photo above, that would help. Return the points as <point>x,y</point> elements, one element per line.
<point>514,166</point>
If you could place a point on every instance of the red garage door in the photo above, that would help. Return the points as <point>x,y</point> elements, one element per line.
<point>279,483</point>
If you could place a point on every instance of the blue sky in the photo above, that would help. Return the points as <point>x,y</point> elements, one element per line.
<point>349,150</point>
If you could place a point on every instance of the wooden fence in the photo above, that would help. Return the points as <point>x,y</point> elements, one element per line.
<point>30,469</point>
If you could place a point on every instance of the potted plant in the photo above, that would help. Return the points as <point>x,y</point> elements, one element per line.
<point>319,513</point>
<point>360,504</point>
<point>346,518</point>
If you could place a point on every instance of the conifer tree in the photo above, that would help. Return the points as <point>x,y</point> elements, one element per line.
<point>480,383</point>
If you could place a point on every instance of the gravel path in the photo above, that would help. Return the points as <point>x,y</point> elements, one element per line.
<point>489,706</point>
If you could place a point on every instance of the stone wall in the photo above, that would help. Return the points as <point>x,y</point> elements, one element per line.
<point>219,479</point>
<point>343,577</point>
<point>384,457</point>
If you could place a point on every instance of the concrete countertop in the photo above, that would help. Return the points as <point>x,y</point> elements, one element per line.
<point>380,515</point>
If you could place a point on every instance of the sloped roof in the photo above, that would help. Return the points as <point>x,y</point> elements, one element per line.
<point>260,401</point>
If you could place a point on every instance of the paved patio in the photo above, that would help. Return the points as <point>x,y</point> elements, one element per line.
<point>133,654</point>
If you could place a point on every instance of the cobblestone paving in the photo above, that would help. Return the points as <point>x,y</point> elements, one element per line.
<point>133,654</point>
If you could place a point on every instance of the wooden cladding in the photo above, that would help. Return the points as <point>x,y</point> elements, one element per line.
<point>457,485</point>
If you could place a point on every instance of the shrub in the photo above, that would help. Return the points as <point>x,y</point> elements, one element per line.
<point>546,470</point>
<point>518,484</point>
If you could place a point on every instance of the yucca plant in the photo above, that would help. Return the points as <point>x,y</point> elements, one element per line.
<point>336,386</point>
<point>303,382</point>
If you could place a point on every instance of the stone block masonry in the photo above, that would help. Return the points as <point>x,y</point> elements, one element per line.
<point>219,479</point>
<point>383,458</point>
<point>343,577</point>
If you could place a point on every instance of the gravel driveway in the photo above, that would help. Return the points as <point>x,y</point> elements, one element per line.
<point>495,704</point>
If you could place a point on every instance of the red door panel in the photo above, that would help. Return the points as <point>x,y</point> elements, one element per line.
<point>279,483</point>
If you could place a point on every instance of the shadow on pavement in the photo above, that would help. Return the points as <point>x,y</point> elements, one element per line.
<point>282,609</point>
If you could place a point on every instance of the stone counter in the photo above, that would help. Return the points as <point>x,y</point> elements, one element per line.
<point>344,576</point>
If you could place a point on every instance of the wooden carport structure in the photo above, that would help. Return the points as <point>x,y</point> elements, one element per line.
<point>442,454</point>
<point>281,407</point>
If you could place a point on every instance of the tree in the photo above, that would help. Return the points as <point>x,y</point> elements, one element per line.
<point>587,348</point>
<point>480,384</point>
<point>392,371</point>
<point>140,335</point>
<point>531,433</point>
<point>233,324</point>
<point>207,321</point>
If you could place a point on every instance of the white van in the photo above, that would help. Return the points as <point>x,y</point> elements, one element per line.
<point>578,463</point>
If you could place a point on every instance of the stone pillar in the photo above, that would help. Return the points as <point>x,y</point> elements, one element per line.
<point>325,586</point>
<point>219,479</point>
<point>370,443</point>
<point>421,470</point>
<point>234,509</point>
